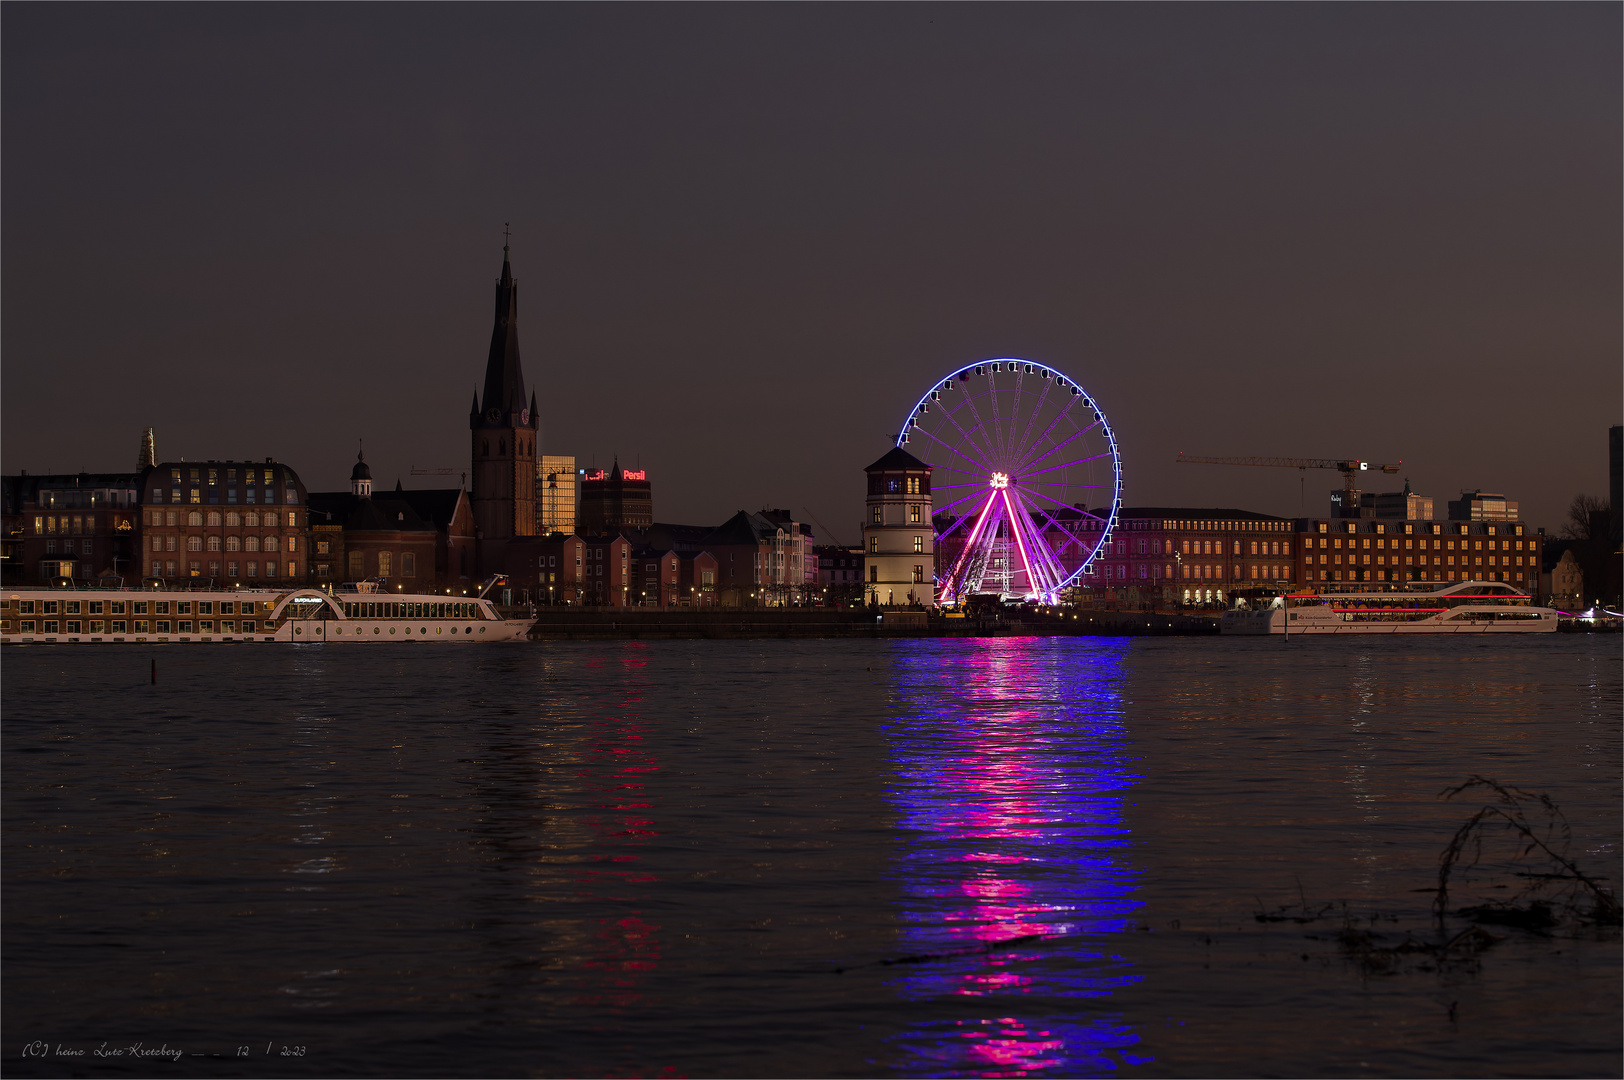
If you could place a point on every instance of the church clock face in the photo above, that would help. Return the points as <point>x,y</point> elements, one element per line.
<point>493,415</point>
<point>524,417</point>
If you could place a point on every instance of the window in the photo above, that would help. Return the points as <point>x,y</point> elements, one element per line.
<point>169,542</point>
<point>293,543</point>
<point>214,543</point>
<point>233,543</point>
<point>357,564</point>
<point>194,519</point>
<point>913,514</point>
<point>408,564</point>
<point>214,517</point>
<point>876,515</point>
<point>233,519</point>
<point>270,543</point>
<point>251,519</point>
<point>386,563</point>
<point>919,545</point>
<point>253,569</point>
<point>232,570</point>
<point>171,517</point>
<point>918,574</point>
<point>157,543</point>
<point>874,574</point>
<point>293,568</point>
<point>874,545</point>
<point>194,543</point>
<point>250,543</point>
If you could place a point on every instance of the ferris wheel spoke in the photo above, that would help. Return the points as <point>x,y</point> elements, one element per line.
<point>963,434</point>
<point>1035,577</point>
<point>1026,458</point>
<point>953,450</point>
<point>1066,465</point>
<point>1063,505</point>
<point>981,425</point>
<point>958,501</point>
<point>1026,427</point>
<point>1036,458</point>
<point>1051,553</point>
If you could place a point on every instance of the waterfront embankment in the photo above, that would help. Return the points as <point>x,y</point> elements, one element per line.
<point>566,624</point>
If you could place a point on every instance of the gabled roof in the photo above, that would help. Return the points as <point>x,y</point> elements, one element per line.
<point>438,505</point>
<point>383,513</point>
<point>898,458</point>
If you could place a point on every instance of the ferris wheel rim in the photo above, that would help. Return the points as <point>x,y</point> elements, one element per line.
<point>1024,494</point>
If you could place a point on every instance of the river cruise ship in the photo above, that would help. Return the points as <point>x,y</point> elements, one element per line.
<point>1467,607</point>
<point>357,613</point>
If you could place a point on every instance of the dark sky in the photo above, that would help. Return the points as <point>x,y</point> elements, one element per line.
<point>748,237</point>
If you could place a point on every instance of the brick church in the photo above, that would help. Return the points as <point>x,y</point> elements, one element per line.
<point>503,426</point>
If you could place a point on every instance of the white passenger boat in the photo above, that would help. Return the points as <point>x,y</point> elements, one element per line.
<point>1467,607</point>
<point>358,612</point>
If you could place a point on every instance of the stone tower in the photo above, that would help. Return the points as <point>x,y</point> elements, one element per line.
<point>899,544</point>
<point>504,429</point>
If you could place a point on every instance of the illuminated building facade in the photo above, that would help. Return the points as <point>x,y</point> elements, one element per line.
<point>1380,554</point>
<point>620,499</point>
<point>898,535</point>
<point>556,481</point>
<point>230,522</point>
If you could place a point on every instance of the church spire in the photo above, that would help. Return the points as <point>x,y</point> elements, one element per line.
<point>504,378</point>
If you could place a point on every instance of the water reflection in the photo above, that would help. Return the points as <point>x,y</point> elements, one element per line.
<point>1012,772</point>
<point>623,947</point>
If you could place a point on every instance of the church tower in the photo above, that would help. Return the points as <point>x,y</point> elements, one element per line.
<point>504,429</point>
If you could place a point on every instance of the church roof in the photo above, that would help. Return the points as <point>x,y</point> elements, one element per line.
<point>383,513</point>
<point>504,377</point>
<point>898,458</point>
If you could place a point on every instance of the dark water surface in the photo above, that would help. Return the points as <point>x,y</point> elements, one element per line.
<point>980,858</point>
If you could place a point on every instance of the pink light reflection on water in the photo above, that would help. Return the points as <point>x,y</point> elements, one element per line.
<point>1012,770</point>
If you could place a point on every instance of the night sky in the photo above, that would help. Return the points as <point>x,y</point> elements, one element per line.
<point>748,237</point>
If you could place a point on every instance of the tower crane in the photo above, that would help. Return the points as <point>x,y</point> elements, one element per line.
<point>1350,468</point>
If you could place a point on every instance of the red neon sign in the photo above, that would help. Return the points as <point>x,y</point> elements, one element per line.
<point>597,475</point>
<point>634,474</point>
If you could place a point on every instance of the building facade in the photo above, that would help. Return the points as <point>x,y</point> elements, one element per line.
<point>898,536</point>
<point>229,522</point>
<point>77,525</point>
<point>1185,556</point>
<point>503,429</point>
<point>1375,555</point>
<point>556,487</point>
<point>618,499</point>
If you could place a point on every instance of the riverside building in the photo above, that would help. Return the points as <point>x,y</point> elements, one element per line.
<point>232,522</point>
<point>898,534</point>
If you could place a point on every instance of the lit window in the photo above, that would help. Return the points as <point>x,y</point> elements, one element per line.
<point>919,545</point>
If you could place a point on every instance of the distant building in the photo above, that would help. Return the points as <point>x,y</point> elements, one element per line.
<point>231,522</point>
<point>1337,553</point>
<point>73,525</point>
<point>840,573</point>
<point>555,495</point>
<point>1482,506</point>
<point>1182,555</point>
<point>620,499</point>
<point>1565,589</point>
<point>1401,505</point>
<point>420,541</point>
<point>503,429</point>
<point>898,535</point>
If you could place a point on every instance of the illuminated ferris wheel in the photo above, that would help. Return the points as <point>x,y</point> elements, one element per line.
<point>1026,481</point>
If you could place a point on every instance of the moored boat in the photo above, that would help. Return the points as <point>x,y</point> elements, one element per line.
<point>357,612</point>
<point>1467,607</point>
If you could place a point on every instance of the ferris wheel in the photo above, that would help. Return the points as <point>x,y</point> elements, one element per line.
<point>1026,481</point>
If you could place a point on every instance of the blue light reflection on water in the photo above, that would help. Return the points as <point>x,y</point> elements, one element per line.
<point>1013,771</point>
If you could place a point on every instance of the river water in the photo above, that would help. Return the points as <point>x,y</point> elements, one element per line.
<point>1003,857</point>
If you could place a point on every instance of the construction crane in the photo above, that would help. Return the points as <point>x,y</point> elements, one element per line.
<point>1350,468</point>
<point>441,472</point>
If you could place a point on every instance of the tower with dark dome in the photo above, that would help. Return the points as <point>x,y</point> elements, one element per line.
<point>504,428</point>
<point>361,477</point>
